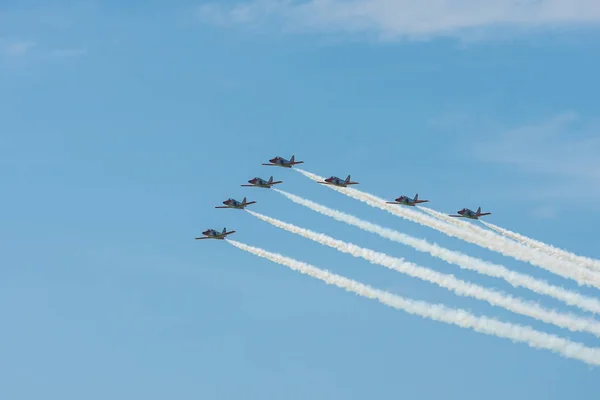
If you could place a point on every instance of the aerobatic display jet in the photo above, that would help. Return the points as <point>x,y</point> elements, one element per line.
<point>258,182</point>
<point>233,203</point>
<point>466,213</point>
<point>212,234</point>
<point>407,201</point>
<point>335,181</point>
<point>282,162</point>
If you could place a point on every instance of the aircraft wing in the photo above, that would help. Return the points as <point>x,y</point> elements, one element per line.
<point>457,216</point>
<point>421,201</point>
<point>228,233</point>
<point>392,202</point>
<point>248,185</point>
<point>221,207</point>
<point>296,162</point>
<point>482,214</point>
<point>275,183</point>
<point>250,202</point>
<point>350,183</point>
<point>271,165</point>
<point>200,238</point>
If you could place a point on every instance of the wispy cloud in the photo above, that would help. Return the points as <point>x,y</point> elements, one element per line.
<point>563,150</point>
<point>69,52</point>
<point>545,212</point>
<point>401,18</point>
<point>15,48</point>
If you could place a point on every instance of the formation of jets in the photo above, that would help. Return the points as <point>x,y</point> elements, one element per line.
<point>332,180</point>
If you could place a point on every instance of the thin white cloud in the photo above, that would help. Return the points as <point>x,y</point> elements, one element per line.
<point>545,212</point>
<point>563,151</point>
<point>16,48</point>
<point>69,52</point>
<point>402,18</point>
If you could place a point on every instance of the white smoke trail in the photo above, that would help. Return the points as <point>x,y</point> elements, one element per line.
<point>546,248</point>
<point>560,254</point>
<point>454,257</point>
<point>439,312</point>
<point>460,287</point>
<point>487,239</point>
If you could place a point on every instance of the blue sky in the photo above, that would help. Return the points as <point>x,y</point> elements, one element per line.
<point>122,125</point>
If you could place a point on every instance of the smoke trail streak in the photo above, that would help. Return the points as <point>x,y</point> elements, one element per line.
<point>546,248</point>
<point>439,312</point>
<point>516,279</point>
<point>487,239</point>
<point>460,287</point>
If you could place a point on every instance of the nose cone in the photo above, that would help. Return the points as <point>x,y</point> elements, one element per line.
<point>206,232</point>
<point>272,160</point>
<point>226,202</point>
<point>461,212</point>
<point>328,179</point>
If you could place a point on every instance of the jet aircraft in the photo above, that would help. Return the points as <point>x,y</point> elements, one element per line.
<point>258,182</point>
<point>233,203</point>
<point>282,162</point>
<point>407,201</point>
<point>335,181</point>
<point>212,234</point>
<point>466,213</point>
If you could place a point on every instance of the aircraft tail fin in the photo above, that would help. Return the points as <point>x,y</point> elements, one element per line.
<point>348,178</point>
<point>244,200</point>
<point>271,179</point>
<point>224,230</point>
<point>478,211</point>
<point>293,158</point>
<point>416,197</point>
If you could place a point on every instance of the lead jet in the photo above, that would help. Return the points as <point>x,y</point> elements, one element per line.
<point>233,203</point>
<point>407,201</point>
<point>335,181</point>
<point>282,162</point>
<point>258,182</point>
<point>466,213</point>
<point>212,234</point>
